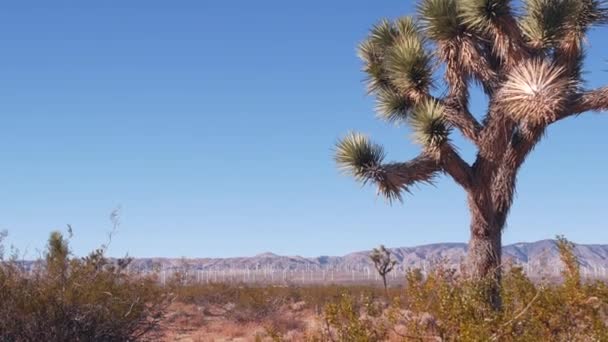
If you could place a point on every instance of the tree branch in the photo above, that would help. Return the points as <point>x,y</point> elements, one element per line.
<point>466,59</point>
<point>504,182</point>
<point>394,178</point>
<point>508,43</point>
<point>455,166</point>
<point>358,156</point>
<point>494,139</point>
<point>593,100</point>
<point>496,133</point>
<point>501,331</point>
<point>523,142</point>
<point>459,116</point>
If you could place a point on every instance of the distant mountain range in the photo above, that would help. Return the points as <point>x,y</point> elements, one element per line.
<point>538,259</point>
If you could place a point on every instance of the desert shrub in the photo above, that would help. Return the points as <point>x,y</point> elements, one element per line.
<point>255,306</point>
<point>65,298</point>
<point>242,302</point>
<point>317,297</point>
<point>444,306</point>
<point>238,303</point>
<point>572,310</point>
<point>354,319</point>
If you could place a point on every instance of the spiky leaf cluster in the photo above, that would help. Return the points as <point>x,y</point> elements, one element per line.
<point>593,12</point>
<point>392,106</point>
<point>535,91</point>
<point>585,13</point>
<point>440,19</point>
<point>546,22</point>
<point>372,52</point>
<point>374,49</point>
<point>397,65</point>
<point>429,125</point>
<point>543,22</point>
<point>358,156</point>
<point>409,67</point>
<point>482,15</point>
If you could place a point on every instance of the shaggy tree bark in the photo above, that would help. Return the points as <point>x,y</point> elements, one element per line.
<point>529,67</point>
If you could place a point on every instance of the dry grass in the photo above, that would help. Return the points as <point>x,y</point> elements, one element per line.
<point>438,307</point>
<point>77,299</point>
<point>222,312</point>
<point>188,322</point>
<point>92,299</point>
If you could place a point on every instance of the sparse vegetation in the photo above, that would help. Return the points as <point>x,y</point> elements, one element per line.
<point>65,298</point>
<point>84,299</point>
<point>445,307</point>
<point>441,305</point>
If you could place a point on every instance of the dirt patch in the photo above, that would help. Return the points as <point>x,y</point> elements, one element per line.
<point>193,323</point>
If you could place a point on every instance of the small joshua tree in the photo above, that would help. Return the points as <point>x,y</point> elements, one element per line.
<point>381,257</point>
<point>529,66</point>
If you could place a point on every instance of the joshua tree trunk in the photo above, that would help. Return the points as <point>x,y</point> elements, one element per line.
<point>483,261</point>
<point>484,254</point>
<point>385,285</point>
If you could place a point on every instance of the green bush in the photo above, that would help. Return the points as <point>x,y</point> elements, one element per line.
<point>355,319</point>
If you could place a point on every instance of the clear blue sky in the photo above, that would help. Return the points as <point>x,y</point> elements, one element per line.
<point>212,124</point>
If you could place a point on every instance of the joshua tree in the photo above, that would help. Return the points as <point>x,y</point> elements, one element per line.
<point>381,257</point>
<point>529,66</point>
